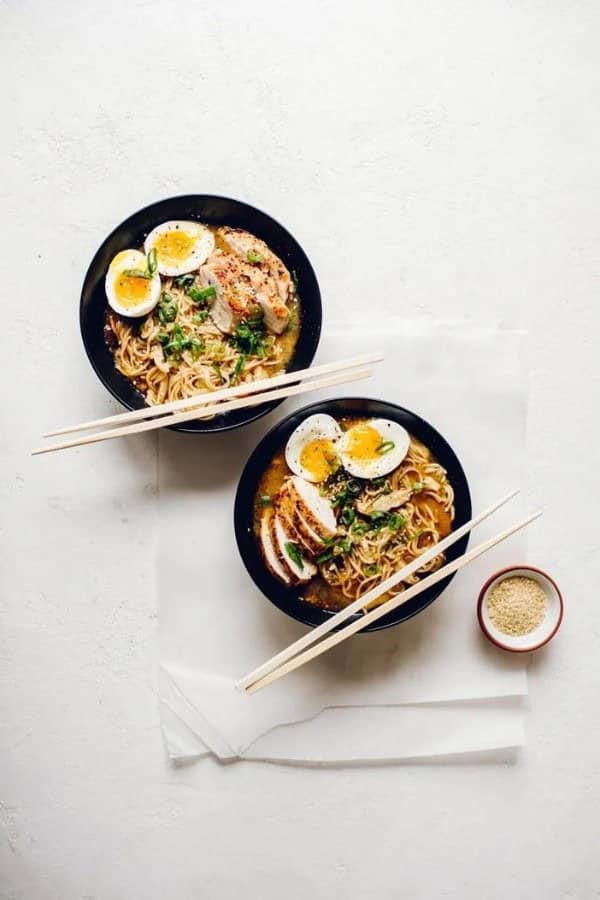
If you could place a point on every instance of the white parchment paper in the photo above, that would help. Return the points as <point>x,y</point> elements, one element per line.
<point>215,625</point>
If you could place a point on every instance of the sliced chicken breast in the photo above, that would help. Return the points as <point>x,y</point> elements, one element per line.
<point>288,508</point>
<point>255,251</point>
<point>295,536</point>
<point>270,278</point>
<point>278,539</point>
<point>299,571</point>
<point>270,555</point>
<point>242,289</point>
<point>276,313</point>
<point>236,297</point>
<point>316,510</point>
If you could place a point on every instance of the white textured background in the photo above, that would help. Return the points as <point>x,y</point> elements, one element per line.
<point>440,158</point>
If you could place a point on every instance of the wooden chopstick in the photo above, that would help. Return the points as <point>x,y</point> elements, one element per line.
<point>358,605</point>
<point>228,393</point>
<point>388,606</point>
<point>206,411</point>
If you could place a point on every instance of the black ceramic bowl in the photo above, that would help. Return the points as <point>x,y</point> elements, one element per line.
<point>289,599</point>
<point>213,211</point>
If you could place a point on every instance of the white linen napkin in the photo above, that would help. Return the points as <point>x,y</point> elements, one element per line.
<point>352,735</point>
<point>215,625</point>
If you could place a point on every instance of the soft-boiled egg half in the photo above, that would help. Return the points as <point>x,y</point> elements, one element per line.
<point>312,448</point>
<point>373,447</point>
<point>181,247</point>
<point>128,293</point>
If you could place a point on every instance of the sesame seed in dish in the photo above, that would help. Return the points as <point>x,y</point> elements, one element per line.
<point>517,605</point>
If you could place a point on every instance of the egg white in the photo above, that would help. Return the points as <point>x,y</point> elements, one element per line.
<point>131,259</point>
<point>202,245</point>
<point>313,428</point>
<point>381,465</point>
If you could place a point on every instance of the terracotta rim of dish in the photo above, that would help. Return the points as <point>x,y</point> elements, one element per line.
<point>483,592</point>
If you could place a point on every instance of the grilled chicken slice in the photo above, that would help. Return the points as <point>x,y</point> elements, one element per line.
<point>298,527</point>
<point>269,276</point>
<point>276,313</point>
<point>299,572</point>
<point>294,535</point>
<point>236,297</point>
<point>316,511</point>
<point>261,257</point>
<point>270,555</point>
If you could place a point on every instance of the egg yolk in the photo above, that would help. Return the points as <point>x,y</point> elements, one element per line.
<point>174,246</point>
<point>319,458</point>
<point>362,443</point>
<point>131,291</point>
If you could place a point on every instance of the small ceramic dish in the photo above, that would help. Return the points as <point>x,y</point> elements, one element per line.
<point>544,632</point>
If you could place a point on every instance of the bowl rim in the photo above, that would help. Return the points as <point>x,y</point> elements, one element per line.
<point>261,410</point>
<point>505,572</point>
<point>241,530</point>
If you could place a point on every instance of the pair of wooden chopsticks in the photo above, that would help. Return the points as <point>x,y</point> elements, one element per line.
<point>306,648</point>
<point>204,405</point>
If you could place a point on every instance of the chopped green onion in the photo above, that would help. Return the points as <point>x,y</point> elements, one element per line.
<point>348,515</point>
<point>166,309</point>
<point>250,338</point>
<point>371,570</point>
<point>238,368</point>
<point>396,522</point>
<point>352,489</point>
<point>152,262</point>
<point>417,486</point>
<point>254,258</point>
<point>184,281</point>
<point>360,527</point>
<point>201,316</point>
<point>177,341</point>
<point>324,557</point>
<point>266,500</point>
<point>201,296</point>
<point>385,447</point>
<point>390,520</point>
<point>337,549</point>
<point>294,553</point>
<point>217,369</point>
<point>137,273</point>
